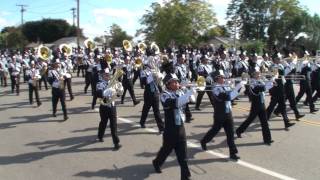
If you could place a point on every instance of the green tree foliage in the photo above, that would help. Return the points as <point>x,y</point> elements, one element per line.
<point>178,21</point>
<point>117,36</point>
<point>47,30</point>
<point>12,37</point>
<point>274,22</point>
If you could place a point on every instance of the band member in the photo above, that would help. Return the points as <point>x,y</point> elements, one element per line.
<point>222,115</point>
<point>289,69</point>
<point>3,71</point>
<point>127,81</point>
<point>43,67</point>
<point>107,110</point>
<point>33,76</point>
<point>257,90</point>
<point>56,80</point>
<point>277,92</point>
<point>151,95</point>
<point>315,81</point>
<point>182,74</point>
<point>95,79</point>
<point>80,63</point>
<point>88,76</point>
<point>204,70</point>
<point>305,85</point>
<point>174,137</point>
<point>14,69</point>
<point>66,67</point>
<point>137,70</point>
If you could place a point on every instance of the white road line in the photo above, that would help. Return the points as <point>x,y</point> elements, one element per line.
<point>220,155</point>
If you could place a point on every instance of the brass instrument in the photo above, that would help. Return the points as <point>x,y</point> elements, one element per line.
<point>108,58</point>
<point>44,52</point>
<point>127,45</point>
<point>65,48</point>
<point>155,48</point>
<point>137,62</point>
<point>90,44</point>
<point>142,47</point>
<point>115,86</point>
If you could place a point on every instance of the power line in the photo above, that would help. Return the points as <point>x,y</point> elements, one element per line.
<point>22,10</point>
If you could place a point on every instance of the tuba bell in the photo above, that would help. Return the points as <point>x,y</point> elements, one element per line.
<point>65,48</point>
<point>44,52</point>
<point>142,47</point>
<point>108,58</point>
<point>127,45</point>
<point>155,48</point>
<point>90,44</point>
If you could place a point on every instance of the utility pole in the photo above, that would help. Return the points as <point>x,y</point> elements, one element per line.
<point>78,24</point>
<point>73,15</point>
<point>22,10</point>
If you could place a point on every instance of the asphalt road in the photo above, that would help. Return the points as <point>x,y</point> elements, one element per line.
<point>35,146</point>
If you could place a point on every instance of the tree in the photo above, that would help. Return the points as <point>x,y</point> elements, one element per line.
<point>12,37</point>
<point>177,21</point>
<point>118,35</point>
<point>48,30</point>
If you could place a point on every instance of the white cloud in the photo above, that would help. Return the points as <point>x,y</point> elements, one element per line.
<point>126,19</point>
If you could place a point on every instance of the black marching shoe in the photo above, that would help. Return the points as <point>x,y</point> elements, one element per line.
<point>156,167</point>
<point>54,115</point>
<point>39,104</point>
<point>299,116</point>
<point>234,157</point>
<point>188,120</point>
<point>142,125</point>
<point>289,124</point>
<point>117,147</point>
<point>197,108</point>
<point>71,98</point>
<point>100,139</point>
<point>203,145</point>
<point>65,118</point>
<point>314,110</point>
<point>238,134</point>
<point>268,142</point>
<point>136,102</point>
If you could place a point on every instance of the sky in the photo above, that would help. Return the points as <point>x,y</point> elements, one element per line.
<point>96,16</point>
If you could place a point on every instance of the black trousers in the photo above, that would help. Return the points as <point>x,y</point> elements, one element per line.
<point>82,69</point>
<point>227,123</point>
<point>3,79</point>
<point>180,148</point>
<point>194,75</point>
<point>59,94</point>
<point>262,114</point>
<point>200,96</point>
<point>128,86</point>
<point>305,88</point>
<point>188,113</point>
<point>36,92</point>
<point>15,83</point>
<point>289,91</point>
<point>67,83</point>
<point>152,101</point>
<point>94,94</point>
<point>136,75</point>
<point>108,113</point>
<point>282,108</point>
<point>44,79</point>
<point>88,80</point>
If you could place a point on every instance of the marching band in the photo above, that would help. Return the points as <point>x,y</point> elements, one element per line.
<point>168,77</point>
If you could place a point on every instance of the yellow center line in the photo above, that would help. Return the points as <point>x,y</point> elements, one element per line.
<point>302,120</point>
